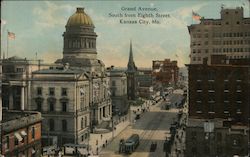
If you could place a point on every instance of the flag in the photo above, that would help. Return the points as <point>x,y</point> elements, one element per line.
<point>196,16</point>
<point>11,35</point>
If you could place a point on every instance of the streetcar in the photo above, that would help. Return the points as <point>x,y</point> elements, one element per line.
<point>131,143</point>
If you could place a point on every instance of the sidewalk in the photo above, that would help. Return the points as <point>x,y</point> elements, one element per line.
<point>178,147</point>
<point>97,141</point>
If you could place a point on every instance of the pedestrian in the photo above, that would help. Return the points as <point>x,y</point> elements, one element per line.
<point>101,136</point>
<point>106,142</point>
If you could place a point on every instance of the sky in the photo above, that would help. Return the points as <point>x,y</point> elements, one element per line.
<point>39,25</point>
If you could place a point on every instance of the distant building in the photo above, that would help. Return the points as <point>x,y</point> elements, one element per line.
<point>229,35</point>
<point>132,82</point>
<point>21,133</point>
<point>165,72</point>
<point>145,82</point>
<point>118,89</point>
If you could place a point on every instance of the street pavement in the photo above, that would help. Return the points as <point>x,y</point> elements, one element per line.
<point>153,126</point>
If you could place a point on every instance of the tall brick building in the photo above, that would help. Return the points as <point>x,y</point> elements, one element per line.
<point>166,71</point>
<point>219,91</point>
<point>219,86</point>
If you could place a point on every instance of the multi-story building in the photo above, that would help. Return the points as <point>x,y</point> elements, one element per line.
<point>219,86</point>
<point>165,72</point>
<point>145,82</point>
<point>62,96</point>
<point>16,81</point>
<point>216,138</point>
<point>219,97</point>
<point>73,97</point>
<point>71,94</point>
<point>229,35</point>
<point>132,82</point>
<point>118,90</point>
<point>219,90</point>
<point>21,133</point>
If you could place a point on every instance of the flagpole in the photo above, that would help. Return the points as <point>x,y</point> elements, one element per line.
<point>7,44</point>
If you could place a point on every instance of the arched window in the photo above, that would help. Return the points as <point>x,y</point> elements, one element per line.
<point>64,125</point>
<point>51,125</point>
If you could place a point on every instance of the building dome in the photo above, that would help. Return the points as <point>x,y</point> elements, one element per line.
<point>79,18</point>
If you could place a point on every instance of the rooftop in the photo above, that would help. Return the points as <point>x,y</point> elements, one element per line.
<point>13,119</point>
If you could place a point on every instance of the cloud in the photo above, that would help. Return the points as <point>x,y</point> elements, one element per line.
<point>52,15</point>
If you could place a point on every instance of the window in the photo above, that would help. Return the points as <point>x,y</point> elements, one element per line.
<point>64,92</point>
<point>82,137</point>
<point>113,83</point>
<point>51,91</point>
<point>219,136</point>
<point>19,70</point>
<point>39,106</point>
<point>51,125</point>
<point>64,125</point>
<point>86,121</point>
<point>82,123</point>
<point>39,91</point>
<point>64,106</point>
<point>7,142</point>
<point>51,106</point>
<point>33,133</point>
<point>16,141</point>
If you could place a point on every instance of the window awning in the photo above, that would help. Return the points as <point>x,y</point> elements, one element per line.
<point>23,133</point>
<point>18,136</point>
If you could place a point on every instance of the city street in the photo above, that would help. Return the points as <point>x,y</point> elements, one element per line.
<point>153,126</point>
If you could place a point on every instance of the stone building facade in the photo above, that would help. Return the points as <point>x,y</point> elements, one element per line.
<point>118,90</point>
<point>229,35</point>
<point>75,96</point>
<point>72,94</point>
<point>16,81</point>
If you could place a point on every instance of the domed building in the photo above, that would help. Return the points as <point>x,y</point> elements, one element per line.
<point>73,95</point>
<point>79,48</point>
